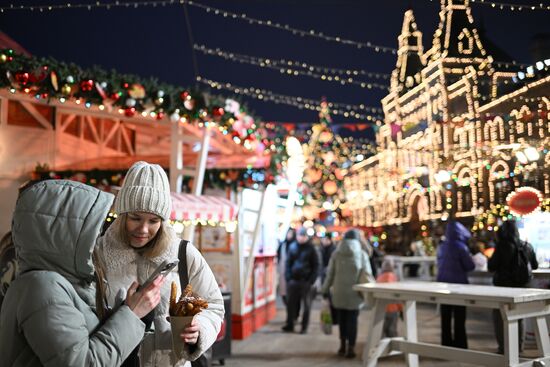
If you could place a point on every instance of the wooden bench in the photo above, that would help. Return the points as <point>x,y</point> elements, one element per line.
<point>514,304</point>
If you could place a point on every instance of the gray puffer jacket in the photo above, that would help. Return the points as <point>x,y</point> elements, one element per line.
<point>48,316</point>
<point>344,268</point>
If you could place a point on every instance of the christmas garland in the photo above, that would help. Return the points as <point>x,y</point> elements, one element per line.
<point>47,78</point>
<point>213,178</point>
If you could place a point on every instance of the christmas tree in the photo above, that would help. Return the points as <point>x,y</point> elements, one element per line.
<point>327,158</point>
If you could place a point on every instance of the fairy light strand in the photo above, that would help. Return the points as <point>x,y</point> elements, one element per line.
<point>304,65</point>
<point>343,109</point>
<point>212,10</point>
<point>509,6</point>
<point>288,68</point>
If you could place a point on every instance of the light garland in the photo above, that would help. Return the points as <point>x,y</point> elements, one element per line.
<point>510,6</point>
<point>208,9</point>
<point>346,110</point>
<point>289,68</point>
<point>295,31</point>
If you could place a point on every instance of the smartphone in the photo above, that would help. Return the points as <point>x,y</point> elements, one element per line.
<point>163,269</point>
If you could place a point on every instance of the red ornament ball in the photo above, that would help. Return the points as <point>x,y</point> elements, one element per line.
<point>22,77</point>
<point>130,111</point>
<point>184,95</point>
<point>86,85</point>
<point>114,96</point>
<point>160,116</point>
<point>217,112</point>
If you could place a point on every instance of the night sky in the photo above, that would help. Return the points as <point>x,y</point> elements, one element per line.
<point>154,42</point>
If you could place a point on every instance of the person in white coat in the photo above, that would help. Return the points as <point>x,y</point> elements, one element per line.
<point>139,240</point>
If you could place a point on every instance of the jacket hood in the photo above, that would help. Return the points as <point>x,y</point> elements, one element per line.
<point>55,227</point>
<point>349,247</point>
<point>456,232</point>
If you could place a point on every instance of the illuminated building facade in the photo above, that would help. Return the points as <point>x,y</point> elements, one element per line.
<point>463,128</point>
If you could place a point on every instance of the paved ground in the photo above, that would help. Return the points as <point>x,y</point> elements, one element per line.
<point>270,347</point>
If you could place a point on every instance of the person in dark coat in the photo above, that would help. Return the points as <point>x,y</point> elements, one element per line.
<point>282,254</point>
<point>453,264</point>
<point>502,262</point>
<point>302,271</point>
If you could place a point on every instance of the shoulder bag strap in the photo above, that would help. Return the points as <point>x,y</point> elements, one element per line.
<point>182,266</point>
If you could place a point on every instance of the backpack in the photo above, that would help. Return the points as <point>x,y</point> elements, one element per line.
<point>521,266</point>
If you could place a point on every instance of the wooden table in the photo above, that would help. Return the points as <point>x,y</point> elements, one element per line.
<point>424,263</point>
<point>514,304</point>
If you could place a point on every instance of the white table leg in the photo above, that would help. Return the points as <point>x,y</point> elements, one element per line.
<point>410,330</point>
<point>375,321</point>
<point>511,341</point>
<point>541,334</point>
<point>399,270</point>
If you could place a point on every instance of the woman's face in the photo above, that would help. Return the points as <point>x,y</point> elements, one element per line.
<point>142,228</point>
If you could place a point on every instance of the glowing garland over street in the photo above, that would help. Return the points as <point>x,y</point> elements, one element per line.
<point>289,68</point>
<point>346,110</point>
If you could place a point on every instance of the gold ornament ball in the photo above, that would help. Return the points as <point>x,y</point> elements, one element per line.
<point>66,89</point>
<point>330,187</point>
<point>3,58</point>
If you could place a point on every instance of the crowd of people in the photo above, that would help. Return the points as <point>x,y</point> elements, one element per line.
<point>306,260</point>
<point>71,294</point>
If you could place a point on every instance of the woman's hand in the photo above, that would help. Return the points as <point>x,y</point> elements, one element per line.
<point>144,301</point>
<point>190,334</point>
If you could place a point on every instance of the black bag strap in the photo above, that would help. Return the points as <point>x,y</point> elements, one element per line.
<point>182,266</point>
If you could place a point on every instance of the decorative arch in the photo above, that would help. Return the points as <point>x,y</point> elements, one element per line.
<point>498,183</point>
<point>466,191</point>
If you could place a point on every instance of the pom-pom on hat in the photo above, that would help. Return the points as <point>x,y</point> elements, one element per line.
<point>145,189</point>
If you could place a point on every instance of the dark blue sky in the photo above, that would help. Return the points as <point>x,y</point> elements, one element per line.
<point>154,42</point>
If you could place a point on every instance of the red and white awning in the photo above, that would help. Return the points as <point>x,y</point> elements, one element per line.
<point>191,207</point>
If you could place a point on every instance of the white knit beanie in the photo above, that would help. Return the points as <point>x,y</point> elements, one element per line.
<point>145,189</point>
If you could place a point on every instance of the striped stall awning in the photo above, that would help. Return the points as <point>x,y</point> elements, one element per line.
<point>204,207</point>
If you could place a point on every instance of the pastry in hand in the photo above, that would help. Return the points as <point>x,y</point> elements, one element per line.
<point>189,304</point>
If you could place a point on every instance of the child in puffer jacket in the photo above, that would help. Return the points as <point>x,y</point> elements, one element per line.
<point>393,310</point>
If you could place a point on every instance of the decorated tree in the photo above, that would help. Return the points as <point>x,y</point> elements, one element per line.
<point>327,158</point>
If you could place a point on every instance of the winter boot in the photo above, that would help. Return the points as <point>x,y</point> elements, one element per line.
<point>350,354</point>
<point>342,350</point>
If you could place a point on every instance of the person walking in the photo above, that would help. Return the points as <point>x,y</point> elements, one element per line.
<point>302,271</point>
<point>345,267</point>
<point>54,313</point>
<point>453,264</point>
<point>282,255</point>
<point>511,265</point>
<point>137,242</point>
<point>393,310</point>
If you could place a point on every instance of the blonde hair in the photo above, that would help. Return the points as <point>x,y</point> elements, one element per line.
<point>156,247</point>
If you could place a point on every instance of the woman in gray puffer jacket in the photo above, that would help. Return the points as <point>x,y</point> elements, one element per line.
<point>344,268</point>
<point>49,313</point>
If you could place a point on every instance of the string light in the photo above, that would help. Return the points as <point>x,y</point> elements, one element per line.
<point>208,9</point>
<point>510,6</point>
<point>90,6</point>
<point>300,64</point>
<point>295,31</point>
<point>290,68</point>
<point>344,109</point>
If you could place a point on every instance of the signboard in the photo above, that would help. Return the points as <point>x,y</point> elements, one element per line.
<point>524,200</point>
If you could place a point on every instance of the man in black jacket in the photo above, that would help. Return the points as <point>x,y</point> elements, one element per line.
<point>301,272</point>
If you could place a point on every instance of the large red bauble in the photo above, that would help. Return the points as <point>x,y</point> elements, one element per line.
<point>524,200</point>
